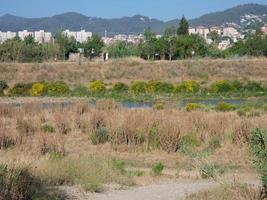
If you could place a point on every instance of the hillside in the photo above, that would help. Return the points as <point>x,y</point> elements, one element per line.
<point>243,16</point>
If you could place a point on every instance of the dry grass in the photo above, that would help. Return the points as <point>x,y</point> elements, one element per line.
<point>234,191</point>
<point>126,70</point>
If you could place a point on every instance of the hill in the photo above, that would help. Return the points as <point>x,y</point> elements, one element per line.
<point>243,16</point>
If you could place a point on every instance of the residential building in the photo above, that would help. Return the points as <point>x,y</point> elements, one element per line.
<point>231,33</point>
<point>42,36</point>
<point>23,34</point>
<point>192,31</point>
<point>70,34</point>
<point>202,31</point>
<point>82,36</point>
<point>7,35</point>
<point>224,44</point>
<point>216,29</point>
<point>264,29</point>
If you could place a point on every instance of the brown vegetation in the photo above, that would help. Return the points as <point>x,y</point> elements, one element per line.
<point>127,70</point>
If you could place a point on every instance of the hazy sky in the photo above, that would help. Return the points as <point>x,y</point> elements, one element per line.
<point>161,9</point>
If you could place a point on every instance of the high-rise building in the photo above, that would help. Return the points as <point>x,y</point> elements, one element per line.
<point>23,34</point>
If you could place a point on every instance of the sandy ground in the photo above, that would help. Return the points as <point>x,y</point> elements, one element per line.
<point>171,190</point>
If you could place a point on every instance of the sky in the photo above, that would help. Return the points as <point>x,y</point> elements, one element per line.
<point>160,9</point>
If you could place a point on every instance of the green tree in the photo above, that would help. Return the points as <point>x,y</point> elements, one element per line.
<point>183,27</point>
<point>169,41</point>
<point>66,45</point>
<point>122,49</point>
<point>93,46</point>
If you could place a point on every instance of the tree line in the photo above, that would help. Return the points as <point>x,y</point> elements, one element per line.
<point>174,44</point>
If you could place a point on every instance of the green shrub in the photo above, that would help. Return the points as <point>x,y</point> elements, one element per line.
<point>97,87</point>
<point>154,142</point>
<point>258,147</point>
<point>188,143</point>
<point>118,165</point>
<point>214,143</point>
<point>100,136</point>
<point>38,89</point>
<point>265,107</point>
<point>221,86</point>
<point>20,89</point>
<point>253,86</point>
<point>59,88</point>
<point>211,170</point>
<point>248,112</point>
<point>187,87</point>
<point>138,87</point>
<point>133,173</point>
<point>120,88</point>
<point>3,86</point>
<point>193,106</point>
<point>159,87</point>
<point>54,155</point>
<point>157,169</point>
<point>224,107</point>
<point>158,106</point>
<point>48,129</point>
<point>80,91</point>
<point>17,184</point>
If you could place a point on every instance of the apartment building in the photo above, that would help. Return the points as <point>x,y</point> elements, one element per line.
<point>216,29</point>
<point>264,29</point>
<point>23,34</point>
<point>82,36</point>
<point>6,35</point>
<point>202,31</point>
<point>42,36</point>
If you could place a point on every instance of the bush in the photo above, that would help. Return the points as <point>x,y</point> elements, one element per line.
<point>48,129</point>
<point>120,88</point>
<point>224,107</point>
<point>38,89</point>
<point>157,169</point>
<point>253,86</point>
<point>17,184</point>
<point>159,87</point>
<point>97,87</point>
<point>158,106</point>
<point>100,136</point>
<point>80,91</point>
<point>138,87</point>
<point>193,106</point>
<point>118,165</point>
<point>59,88</point>
<point>187,87</point>
<point>3,86</point>
<point>20,89</point>
<point>221,86</point>
<point>258,147</point>
<point>214,143</point>
<point>211,170</point>
<point>188,143</point>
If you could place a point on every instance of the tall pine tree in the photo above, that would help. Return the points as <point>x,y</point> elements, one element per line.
<point>183,27</point>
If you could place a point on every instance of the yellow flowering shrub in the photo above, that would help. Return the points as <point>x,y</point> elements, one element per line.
<point>38,89</point>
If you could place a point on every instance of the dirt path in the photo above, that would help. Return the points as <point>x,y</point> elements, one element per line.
<point>161,191</point>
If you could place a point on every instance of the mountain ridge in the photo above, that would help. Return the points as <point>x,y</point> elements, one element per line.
<point>241,16</point>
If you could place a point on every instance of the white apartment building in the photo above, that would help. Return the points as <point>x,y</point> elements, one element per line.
<point>192,31</point>
<point>202,31</point>
<point>42,36</point>
<point>82,36</point>
<point>264,29</point>
<point>216,29</point>
<point>224,44</point>
<point>120,37</point>
<point>23,34</point>
<point>232,33</point>
<point>7,35</point>
<point>70,34</point>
